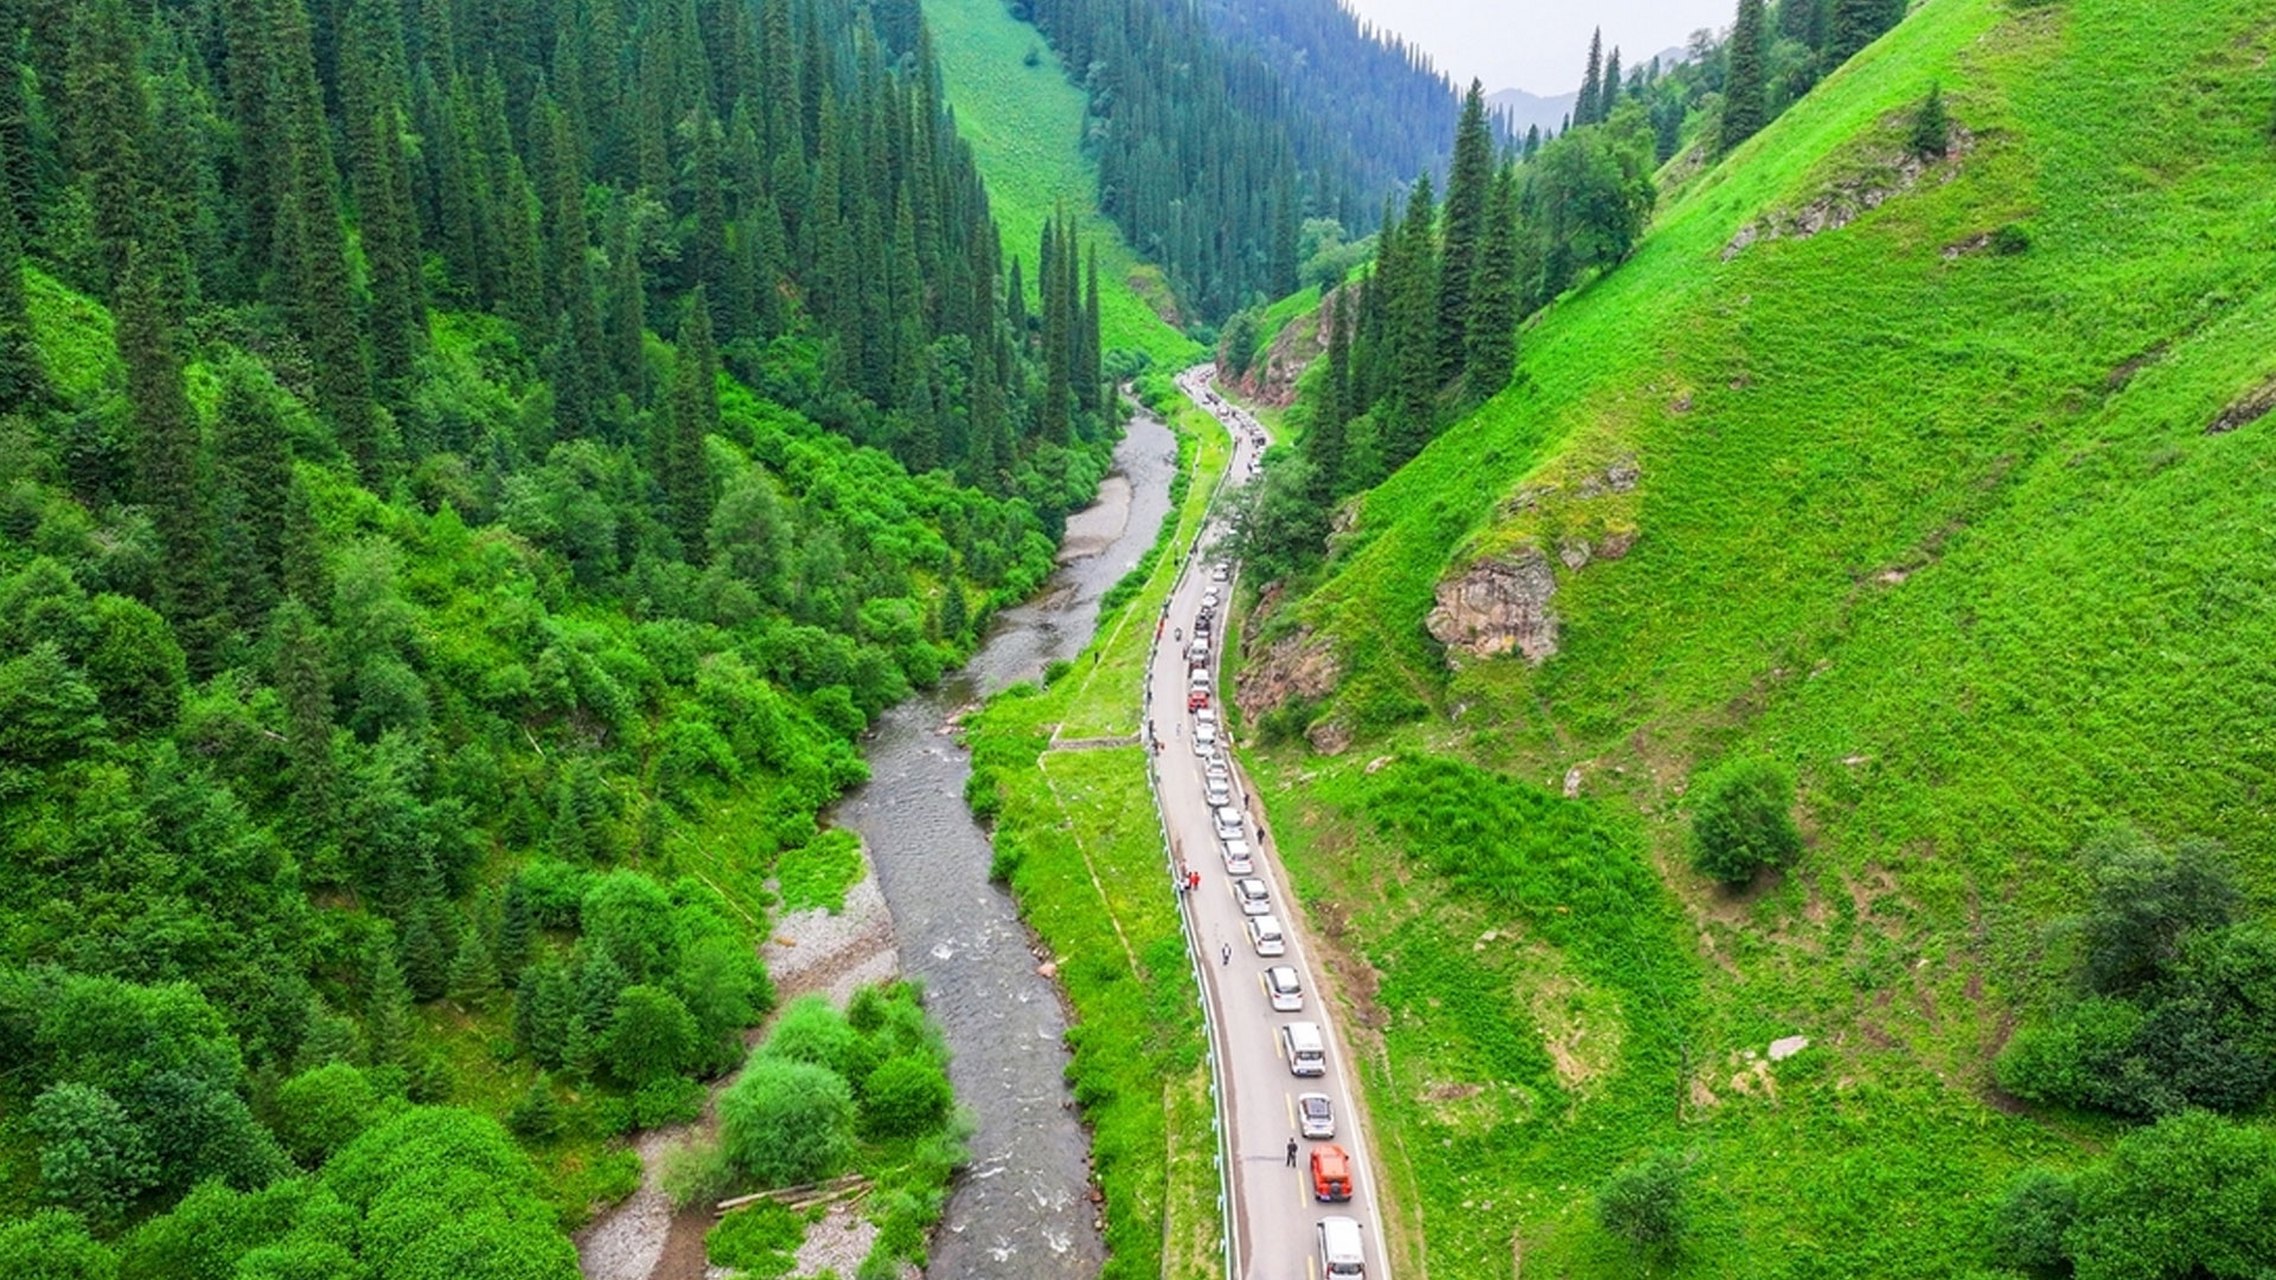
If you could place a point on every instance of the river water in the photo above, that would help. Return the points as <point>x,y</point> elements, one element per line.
<point>1022,1211</point>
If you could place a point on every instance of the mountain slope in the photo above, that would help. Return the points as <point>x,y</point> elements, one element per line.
<point>1025,124</point>
<point>1958,506</point>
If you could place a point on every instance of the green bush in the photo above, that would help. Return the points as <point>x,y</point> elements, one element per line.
<point>1643,1204</point>
<point>905,1096</point>
<point>1744,820</point>
<point>669,1100</point>
<point>320,1111</point>
<point>652,1037</point>
<point>2028,1230</point>
<point>759,1241</point>
<point>697,1173</point>
<point>53,1245</point>
<point>811,1030</point>
<point>787,1122</point>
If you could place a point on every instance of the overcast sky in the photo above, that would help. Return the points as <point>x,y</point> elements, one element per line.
<point>1541,45</point>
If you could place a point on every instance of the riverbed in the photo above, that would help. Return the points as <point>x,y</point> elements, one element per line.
<point>1022,1211</point>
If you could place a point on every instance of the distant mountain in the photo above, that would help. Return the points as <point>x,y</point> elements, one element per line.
<point>1525,110</point>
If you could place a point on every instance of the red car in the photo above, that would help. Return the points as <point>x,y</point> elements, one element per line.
<point>1196,699</point>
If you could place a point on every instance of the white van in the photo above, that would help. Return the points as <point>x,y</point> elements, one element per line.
<point>1342,1255</point>
<point>1197,653</point>
<point>1306,1052</point>
<point>1266,937</point>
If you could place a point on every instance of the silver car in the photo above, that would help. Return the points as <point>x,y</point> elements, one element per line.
<point>1237,859</point>
<point>1317,1115</point>
<point>1285,988</point>
<point>1219,791</point>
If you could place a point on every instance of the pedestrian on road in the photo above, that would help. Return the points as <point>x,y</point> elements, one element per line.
<point>1292,1153</point>
<point>1224,953</point>
<point>1193,879</point>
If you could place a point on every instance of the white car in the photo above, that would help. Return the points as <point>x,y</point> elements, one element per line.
<point>1238,862</point>
<point>1209,598</point>
<point>1316,1115</point>
<point>1220,792</point>
<point>1285,988</point>
<point>1204,738</point>
<point>1229,824</point>
<point>1221,573</point>
<point>1205,716</point>
<point>1217,771</point>
<point>1265,936</point>
<point>1255,899</point>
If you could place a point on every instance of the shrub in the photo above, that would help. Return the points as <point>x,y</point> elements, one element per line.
<point>759,1240</point>
<point>787,1122</point>
<point>321,1111</point>
<point>905,1096</point>
<point>670,1100</point>
<point>2012,239</point>
<point>811,1030</point>
<point>1744,820</point>
<point>1931,127</point>
<point>1643,1204</point>
<point>2028,1230</point>
<point>537,1116</point>
<point>652,1037</point>
<point>53,1245</point>
<point>93,1157</point>
<point>2147,902</point>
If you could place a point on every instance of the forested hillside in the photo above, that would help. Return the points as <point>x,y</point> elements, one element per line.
<point>1848,624</point>
<point>468,474</point>
<point>1219,128</point>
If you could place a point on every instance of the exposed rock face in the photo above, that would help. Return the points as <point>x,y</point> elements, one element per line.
<point>1271,376</point>
<point>1498,605</point>
<point>1852,198</point>
<point>1299,665</point>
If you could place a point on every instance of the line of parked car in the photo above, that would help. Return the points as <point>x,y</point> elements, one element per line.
<point>1342,1254</point>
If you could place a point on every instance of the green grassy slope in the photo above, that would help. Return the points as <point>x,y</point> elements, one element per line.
<point>1940,526</point>
<point>1026,123</point>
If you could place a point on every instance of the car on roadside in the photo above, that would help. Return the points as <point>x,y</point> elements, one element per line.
<point>1197,697</point>
<point>1265,937</point>
<point>1331,1175</point>
<point>1342,1255</point>
<point>1209,599</point>
<point>1254,897</point>
<point>1238,861</point>
<point>1228,822</point>
<point>1221,572</point>
<point>1219,791</point>
<point>1284,987</point>
<point>1316,1115</point>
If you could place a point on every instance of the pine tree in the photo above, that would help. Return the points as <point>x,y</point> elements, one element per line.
<point>1491,347</point>
<point>1411,335</point>
<point>315,288</point>
<point>517,933</point>
<point>582,355</point>
<point>1853,24</point>
<point>107,126</point>
<point>473,973</point>
<point>694,413</point>
<point>170,463</point>
<point>374,97</point>
<point>1324,441</point>
<point>1469,184</point>
<point>253,478</point>
<point>23,378</point>
<point>1592,83</point>
<point>426,961</point>
<point>628,309</point>
<point>388,1019</point>
<point>307,576</point>
<point>1609,98</point>
<point>1931,127</point>
<point>304,684</point>
<point>1745,91</point>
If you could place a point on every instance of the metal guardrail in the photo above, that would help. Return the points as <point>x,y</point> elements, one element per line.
<point>1193,955</point>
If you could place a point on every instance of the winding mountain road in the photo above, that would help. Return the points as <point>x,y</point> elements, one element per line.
<point>1273,1215</point>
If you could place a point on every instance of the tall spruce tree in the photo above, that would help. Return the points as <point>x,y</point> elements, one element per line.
<point>1853,24</point>
<point>23,378</point>
<point>1592,83</point>
<point>694,412</point>
<point>169,451</point>
<point>1745,87</point>
<point>1490,340</point>
<point>1468,186</point>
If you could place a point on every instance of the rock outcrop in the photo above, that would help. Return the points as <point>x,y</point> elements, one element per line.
<point>1272,374</point>
<point>1498,605</point>
<point>1298,665</point>
<point>1851,198</point>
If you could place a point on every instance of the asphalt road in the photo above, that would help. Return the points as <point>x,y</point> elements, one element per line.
<point>1273,1206</point>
